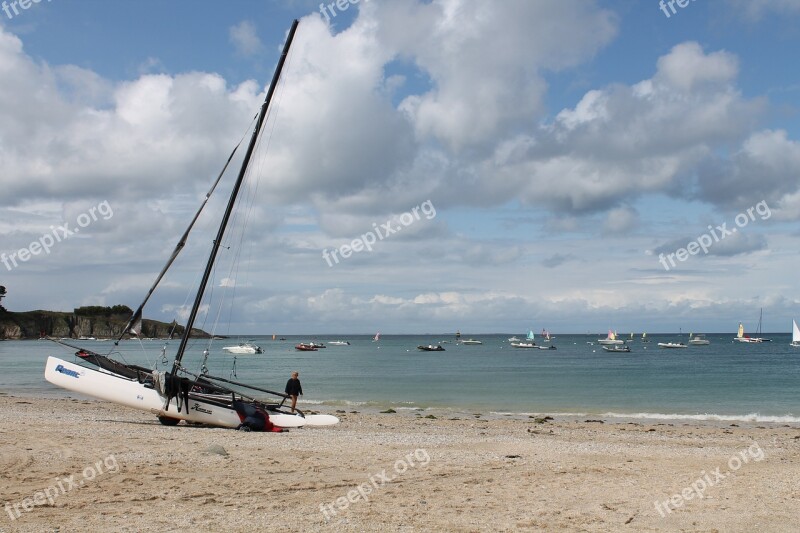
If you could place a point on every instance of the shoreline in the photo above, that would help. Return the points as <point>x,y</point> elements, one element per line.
<point>754,420</point>
<point>480,474</point>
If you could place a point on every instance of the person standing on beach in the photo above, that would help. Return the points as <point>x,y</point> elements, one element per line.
<point>294,389</point>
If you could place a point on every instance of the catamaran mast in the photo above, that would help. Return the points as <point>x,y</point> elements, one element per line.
<point>232,201</point>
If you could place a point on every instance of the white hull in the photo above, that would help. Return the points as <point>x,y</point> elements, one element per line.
<point>242,349</point>
<point>749,340</point>
<point>699,343</point>
<point>671,345</point>
<point>795,344</point>
<point>523,345</point>
<point>607,342</point>
<point>130,393</point>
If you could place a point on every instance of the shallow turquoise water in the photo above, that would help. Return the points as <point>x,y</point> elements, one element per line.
<point>723,380</point>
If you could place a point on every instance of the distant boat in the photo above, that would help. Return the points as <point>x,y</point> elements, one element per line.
<point>513,339</point>
<point>471,341</point>
<point>617,348</point>
<point>377,337</point>
<point>795,335</point>
<point>611,339</point>
<point>431,348</point>
<point>547,347</point>
<point>671,345</point>
<point>243,348</point>
<point>305,347</point>
<point>644,337</point>
<point>546,336</point>
<point>698,340</point>
<point>741,337</point>
<point>524,344</point>
<point>339,343</point>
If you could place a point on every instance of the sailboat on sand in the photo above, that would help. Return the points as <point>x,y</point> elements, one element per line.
<point>179,394</point>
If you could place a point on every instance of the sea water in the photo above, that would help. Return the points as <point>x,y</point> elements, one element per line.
<point>722,381</point>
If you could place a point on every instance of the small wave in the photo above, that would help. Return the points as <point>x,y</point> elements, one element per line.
<point>752,417</point>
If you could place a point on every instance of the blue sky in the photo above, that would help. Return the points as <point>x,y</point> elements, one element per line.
<point>564,145</point>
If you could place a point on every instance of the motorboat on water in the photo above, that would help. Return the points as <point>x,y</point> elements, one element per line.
<point>671,345</point>
<point>513,339</point>
<point>617,348</point>
<point>306,347</point>
<point>698,340</point>
<point>431,348</point>
<point>525,344</point>
<point>244,348</point>
<point>339,343</point>
<point>471,341</point>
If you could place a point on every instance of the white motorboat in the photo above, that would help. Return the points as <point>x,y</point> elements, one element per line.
<point>339,343</point>
<point>524,345</point>
<point>471,341</point>
<point>698,340</point>
<point>513,339</point>
<point>671,345</point>
<point>245,348</point>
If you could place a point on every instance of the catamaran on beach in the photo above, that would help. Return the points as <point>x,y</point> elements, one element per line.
<point>180,394</point>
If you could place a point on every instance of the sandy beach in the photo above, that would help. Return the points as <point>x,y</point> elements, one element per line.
<point>74,465</point>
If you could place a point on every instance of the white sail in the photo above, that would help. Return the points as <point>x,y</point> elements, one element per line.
<point>795,334</point>
<point>740,333</point>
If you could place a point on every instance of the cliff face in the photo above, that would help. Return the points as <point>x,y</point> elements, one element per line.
<point>35,324</point>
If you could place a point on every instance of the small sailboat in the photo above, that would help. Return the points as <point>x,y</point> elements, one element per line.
<point>377,337</point>
<point>795,335</point>
<point>611,339</point>
<point>527,343</point>
<point>741,337</point>
<point>644,337</point>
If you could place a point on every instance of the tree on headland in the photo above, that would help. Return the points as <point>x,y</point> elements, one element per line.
<point>99,310</point>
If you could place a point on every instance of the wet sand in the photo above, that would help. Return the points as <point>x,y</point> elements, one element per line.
<point>73,465</point>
